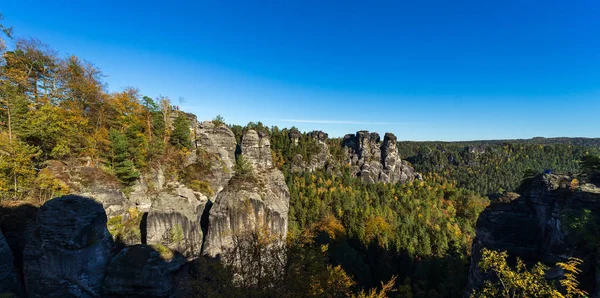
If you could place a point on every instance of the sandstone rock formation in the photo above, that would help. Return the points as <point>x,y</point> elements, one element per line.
<point>256,147</point>
<point>70,249</point>
<point>257,200</point>
<point>85,179</point>
<point>141,271</point>
<point>532,226</point>
<point>174,220</point>
<point>9,283</point>
<point>376,161</point>
<point>17,225</point>
<point>294,136</point>
<point>319,159</point>
<point>217,145</point>
<point>174,211</point>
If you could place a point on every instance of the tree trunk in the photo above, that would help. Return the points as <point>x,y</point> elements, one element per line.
<point>9,124</point>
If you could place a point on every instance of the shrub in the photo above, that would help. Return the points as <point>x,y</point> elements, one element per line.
<point>126,231</point>
<point>202,186</point>
<point>165,252</point>
<point>218,120</point>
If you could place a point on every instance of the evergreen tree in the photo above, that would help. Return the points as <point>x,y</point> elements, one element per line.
<point>122,164</point>
<point>180,137</point>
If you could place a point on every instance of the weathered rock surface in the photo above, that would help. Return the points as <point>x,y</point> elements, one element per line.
<point>294,136</point>
<point>256,147</point>
<point>217,145</point>
<point>259,200</point>
<point>141,271</point>
<point>70,249</point>
<point>531,226</point>
<point>376,161</point>
<point>85,179</point>
<point>18,224</point>
<point>174,220</point>
<point>9,283</point>
<point>319,160</point>
<point>174,211</point>
<point>248,206</point>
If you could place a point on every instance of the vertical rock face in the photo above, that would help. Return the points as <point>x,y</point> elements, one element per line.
<point>141,271</point>
<point>376,161</point>
<point>70,250</point>
<point>531,226</point>
<point>259,200</point>
<point>174,220</point>
<point>9,284</point>
<point>174,210</point>
<point>218,144</point>
<point>256,147</point>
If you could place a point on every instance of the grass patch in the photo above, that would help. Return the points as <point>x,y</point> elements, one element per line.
<point>165,252</point>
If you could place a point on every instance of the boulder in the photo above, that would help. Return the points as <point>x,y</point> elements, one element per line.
<point>143,271</point>
<point>70,249</point>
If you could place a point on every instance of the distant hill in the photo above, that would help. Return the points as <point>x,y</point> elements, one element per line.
<point>494,166</point>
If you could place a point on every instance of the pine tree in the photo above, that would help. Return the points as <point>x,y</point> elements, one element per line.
<point>122,164</point>
<point>180,137</point>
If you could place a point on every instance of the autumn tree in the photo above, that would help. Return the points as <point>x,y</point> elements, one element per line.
<point>522,281</point>
<point>17,171</point>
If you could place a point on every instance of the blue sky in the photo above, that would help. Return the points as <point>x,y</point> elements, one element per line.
<point>424,70</point>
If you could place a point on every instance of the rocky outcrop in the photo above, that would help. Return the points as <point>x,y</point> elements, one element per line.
<point>533,225</point>
<point>174,210</point>
<point>376,161</point>
<point>174,220</point>
<point>294,136</point>
<point>69,251</point>
<point>17,224</point>
<point>253,201</point>
<point>82,177</point>
<point>9,283</point>
<point>142,271</point>
<point>256,147</point>
<point>319,157</point>
<point>214,152</point>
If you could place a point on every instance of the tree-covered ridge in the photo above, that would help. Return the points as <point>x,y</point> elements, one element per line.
<point>54,107</point>
<point>491,167</point>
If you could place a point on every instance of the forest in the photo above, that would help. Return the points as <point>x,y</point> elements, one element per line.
<point>346,238</point>
<point>494,167</point>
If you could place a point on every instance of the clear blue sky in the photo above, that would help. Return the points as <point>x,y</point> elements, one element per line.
<point>424,70</point>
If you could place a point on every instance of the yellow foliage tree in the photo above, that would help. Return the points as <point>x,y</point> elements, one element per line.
<point>525,282</point>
